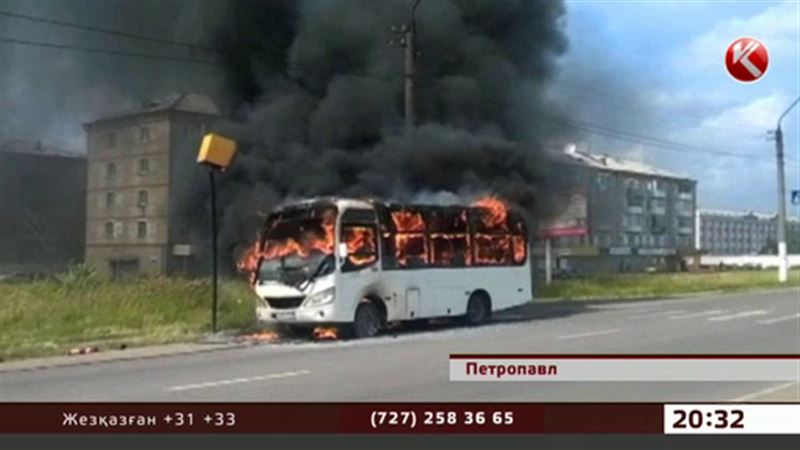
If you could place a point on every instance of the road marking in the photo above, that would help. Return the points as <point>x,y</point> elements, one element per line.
<point>766,391</point>
<point>273,376</point>
<point>779,319</point>
<point>657,314</point>
<point>713,312</point>
<point>589,334</point>
<point>741,315</point>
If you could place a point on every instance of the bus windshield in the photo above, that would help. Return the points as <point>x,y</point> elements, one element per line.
<point>297,245</point>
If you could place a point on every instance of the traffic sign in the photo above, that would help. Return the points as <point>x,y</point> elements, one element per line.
<point>747,59</point>
<point>796,197</point>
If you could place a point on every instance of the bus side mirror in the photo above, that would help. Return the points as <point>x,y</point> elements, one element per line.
<point>342,250</point>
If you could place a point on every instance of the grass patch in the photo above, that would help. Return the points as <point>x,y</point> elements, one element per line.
<point>49,317</point>
<point>662,284</point>
<point>42,318</point>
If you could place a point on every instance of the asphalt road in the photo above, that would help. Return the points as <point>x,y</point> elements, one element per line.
<point>412,365</point>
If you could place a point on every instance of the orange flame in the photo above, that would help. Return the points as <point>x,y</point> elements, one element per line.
<point>410,236</point>
<point>407,221</point>
<point>493,245</point>
<point>302,246</point>
<point>520,248</point>
<point>497,211</point>
<point>360,245</point>
<point>263,336</point>
<point>325,333</point>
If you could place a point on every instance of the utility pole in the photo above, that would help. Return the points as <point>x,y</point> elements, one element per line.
<point>783,260</point>
<point>409,42</point>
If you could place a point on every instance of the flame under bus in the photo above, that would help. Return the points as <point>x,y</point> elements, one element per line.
<point>341,261</point>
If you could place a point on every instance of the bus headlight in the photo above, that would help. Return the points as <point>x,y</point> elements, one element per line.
<point>321,298</point>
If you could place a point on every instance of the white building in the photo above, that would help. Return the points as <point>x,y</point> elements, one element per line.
<point>738,233</point>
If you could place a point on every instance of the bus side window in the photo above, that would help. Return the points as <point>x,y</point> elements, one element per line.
<point>362,246</point>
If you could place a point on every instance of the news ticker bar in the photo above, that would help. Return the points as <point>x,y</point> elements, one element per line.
<point>438,418</point>
<point>626,368</point>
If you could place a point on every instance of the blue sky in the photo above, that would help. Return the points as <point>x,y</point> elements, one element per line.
<point>657,68</point>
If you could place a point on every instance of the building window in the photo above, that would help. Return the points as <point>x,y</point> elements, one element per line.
<point>603,181</point>
<point>634,197</point>
<point>141,229</point>
<point>111,170</point>
<point>111,139</point>
<point>684,207</point>
<point>144,135</point>
<point>109,230</point>
<point>144,166</point>
<point>658,224</point>
<point>111,200</point>
<point>142,199</point>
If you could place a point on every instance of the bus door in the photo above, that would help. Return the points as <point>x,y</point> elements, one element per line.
<point>357,253</point>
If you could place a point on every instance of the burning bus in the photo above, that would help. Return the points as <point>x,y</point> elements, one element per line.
<point>363,264</point>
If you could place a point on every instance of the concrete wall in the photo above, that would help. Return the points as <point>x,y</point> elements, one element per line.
<point>745,260</point>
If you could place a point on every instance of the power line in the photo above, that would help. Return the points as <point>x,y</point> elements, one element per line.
<point>107,51</point>
<point>290,66</point>
<point>627,136</point>
<point>652,141</point>
<point>572,123</point>
<point>120,33</point>
<point>644,138</point>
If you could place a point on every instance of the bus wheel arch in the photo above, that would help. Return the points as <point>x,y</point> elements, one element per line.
<point>479,307</point>
<point>369,318</point>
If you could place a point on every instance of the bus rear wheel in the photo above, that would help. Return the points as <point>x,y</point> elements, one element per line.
<point>478,308</point>
<point>367,321</point>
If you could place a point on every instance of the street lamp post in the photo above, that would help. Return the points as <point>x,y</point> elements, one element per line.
<point>783,260</point>
<point>217,153</point>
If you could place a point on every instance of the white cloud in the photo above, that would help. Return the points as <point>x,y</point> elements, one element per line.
<point>734,125</point>
<point>667,98</point>
<point>776,26</point>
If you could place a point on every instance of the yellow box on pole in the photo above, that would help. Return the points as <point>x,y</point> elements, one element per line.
<point>217,151</point>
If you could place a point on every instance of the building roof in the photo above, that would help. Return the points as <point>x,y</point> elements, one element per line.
<point>742,214</point>
<point>572,155</point>
<point>23,146</point>
<point>187,102</point>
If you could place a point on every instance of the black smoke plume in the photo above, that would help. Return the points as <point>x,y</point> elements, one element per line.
<point>316,95</point>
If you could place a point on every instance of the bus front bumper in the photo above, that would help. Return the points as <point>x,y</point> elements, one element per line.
<point>319,314</point>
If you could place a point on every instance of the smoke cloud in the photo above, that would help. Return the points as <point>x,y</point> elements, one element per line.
<point>317,98</point>
<point>314,94</point>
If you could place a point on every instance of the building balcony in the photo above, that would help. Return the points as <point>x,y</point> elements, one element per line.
<point>655,193</point>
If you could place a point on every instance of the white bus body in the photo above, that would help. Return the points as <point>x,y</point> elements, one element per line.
<point>385,278</point>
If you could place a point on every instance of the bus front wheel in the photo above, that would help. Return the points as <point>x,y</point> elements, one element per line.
<point>367,322</point>
<point>478,308</point>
